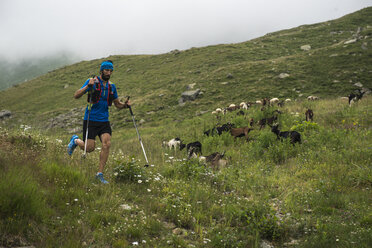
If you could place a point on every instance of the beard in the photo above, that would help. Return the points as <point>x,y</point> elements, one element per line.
<point>105,77</point>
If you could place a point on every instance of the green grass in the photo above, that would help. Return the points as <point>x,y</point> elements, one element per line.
<point>316,194</point>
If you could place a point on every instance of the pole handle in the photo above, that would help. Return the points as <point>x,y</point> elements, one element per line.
<point>130,108</point>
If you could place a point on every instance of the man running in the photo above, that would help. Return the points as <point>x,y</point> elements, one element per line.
<point>101,92</point>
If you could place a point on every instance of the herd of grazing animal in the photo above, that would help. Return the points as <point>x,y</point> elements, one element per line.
<point>194,149</point>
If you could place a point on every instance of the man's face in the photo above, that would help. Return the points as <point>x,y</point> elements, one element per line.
<point>106,74</point>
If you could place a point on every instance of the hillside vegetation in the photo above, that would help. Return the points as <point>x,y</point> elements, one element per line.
<point>155,82</point>
<point>271,193</point>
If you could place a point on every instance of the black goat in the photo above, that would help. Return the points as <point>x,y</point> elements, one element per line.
<point>268,121</point>
<point>241,112</point>
<point>356,96</point>
<point>294,135</point>
<point>210,131</point>
<point>225,128</point>
<point>309,115</point>
<point>192,148</point>
<point>220,129</point>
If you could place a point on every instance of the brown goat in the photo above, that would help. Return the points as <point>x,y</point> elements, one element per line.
<point>215,160</point>
<point>309,115</point>
<point>240,132</point>
<point>268,121</point>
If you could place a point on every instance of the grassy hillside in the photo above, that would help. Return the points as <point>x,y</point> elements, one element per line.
<point>270,194</point>
<point>314,194</point>
<point>155,82</point>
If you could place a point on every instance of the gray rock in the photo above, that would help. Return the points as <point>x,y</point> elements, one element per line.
<point>190,86</point>
<point>175,52</point>
<point>364,46</point>
<point>4,114</point>
<point>306,47</point>
<point>283,75</point>
<point>350,41</point>
<point>71,120</point>
<point>190,95</point>
<point>358,85</point>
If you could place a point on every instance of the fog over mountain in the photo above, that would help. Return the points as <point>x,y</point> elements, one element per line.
<point>93,29</point>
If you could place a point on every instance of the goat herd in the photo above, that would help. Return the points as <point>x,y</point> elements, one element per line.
<point>216,159</point>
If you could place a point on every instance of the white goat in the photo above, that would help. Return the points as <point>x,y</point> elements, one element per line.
<point>312,98</point>
<point>173,143</point>
<point>243,105</point>
<point>274,100</point>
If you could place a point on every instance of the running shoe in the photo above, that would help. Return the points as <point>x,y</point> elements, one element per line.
<point>71,146</point>
<point>99,176</point>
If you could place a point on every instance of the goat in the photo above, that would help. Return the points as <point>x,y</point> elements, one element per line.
<point>232,107</point>
<point>281,103</point>
<point>241,112</point>
<point>287,100</point>
<point>265,101</point>
<point>251,122</point>
<point>215,159</point>
<point>294,135</point>
<point>224,128</point>
<point>312,98</point>
<point>240,132</point>
<point>268,121</point>
<point>273,100</point>
<point>309,115</point>
<point>356,97</point>
<point>243,105</point>
<point>173,143</point>
<point>193,149</point>
<point>210,131</point>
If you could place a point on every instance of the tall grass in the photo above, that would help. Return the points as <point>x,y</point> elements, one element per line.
<point>314,194</point>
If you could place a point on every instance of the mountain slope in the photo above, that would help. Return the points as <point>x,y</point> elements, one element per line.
<point>20,71</point>
<point>155,82</point>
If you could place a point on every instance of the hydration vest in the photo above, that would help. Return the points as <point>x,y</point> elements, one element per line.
<point>95,93</point>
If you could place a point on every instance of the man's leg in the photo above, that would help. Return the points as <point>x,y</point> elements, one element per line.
<point>106,143</point>
<point>90,145</point>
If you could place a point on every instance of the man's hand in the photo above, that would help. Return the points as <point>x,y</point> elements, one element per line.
<point>92,81</point>
<point>127,103</point>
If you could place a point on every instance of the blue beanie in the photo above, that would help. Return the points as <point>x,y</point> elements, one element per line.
<point>106,65</point>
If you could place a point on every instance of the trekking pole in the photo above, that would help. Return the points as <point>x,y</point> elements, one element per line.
<point>139,137</point>
<point>86,134</point>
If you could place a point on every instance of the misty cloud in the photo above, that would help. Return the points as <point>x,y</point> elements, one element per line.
<point>94,29</point>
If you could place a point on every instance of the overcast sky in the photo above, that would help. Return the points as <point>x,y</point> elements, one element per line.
<point>95,29</point>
